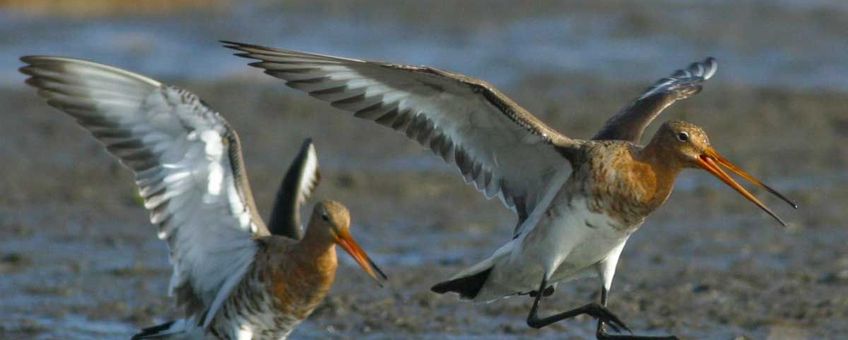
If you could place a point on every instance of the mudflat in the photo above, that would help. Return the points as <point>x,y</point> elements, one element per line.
<point>78,258</point>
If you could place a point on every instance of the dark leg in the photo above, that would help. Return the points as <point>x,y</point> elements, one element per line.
<point>548,292</point>
<point>595,310</point>
<point>601,333</point>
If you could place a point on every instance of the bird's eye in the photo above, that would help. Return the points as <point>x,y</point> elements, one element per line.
<point>325,217</point>
<point>683,136</point>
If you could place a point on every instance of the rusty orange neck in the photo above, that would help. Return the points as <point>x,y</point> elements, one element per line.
<point>317,239</point>
<point>656,171</point>
<point>303,274</point>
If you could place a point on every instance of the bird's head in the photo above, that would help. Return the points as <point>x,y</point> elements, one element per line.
<point>686,145</point>
<point>333,219</point>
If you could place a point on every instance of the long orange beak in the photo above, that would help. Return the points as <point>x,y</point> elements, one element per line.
<point>710,161</point>
<point>346,241</point>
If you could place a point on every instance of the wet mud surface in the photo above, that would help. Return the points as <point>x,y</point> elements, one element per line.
<point>78,258</point>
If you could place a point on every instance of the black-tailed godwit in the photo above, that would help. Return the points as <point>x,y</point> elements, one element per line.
<point>232,277</point>
<point>577,201</point>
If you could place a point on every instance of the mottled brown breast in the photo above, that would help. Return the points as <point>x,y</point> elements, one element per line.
<point>300,278</point>
<point>618,182</point>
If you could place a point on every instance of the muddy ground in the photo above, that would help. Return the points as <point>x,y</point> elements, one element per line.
<point>78,258</point>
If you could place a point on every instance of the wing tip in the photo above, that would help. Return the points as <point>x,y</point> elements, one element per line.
<point>711,65</point>
<point>704,69</point>
<point>245,47</point>
<point>311,157</point>
<point>235,45</point>
<point>307,148</point>
<point>33,59</point>
<point>29,59</point>
<point>69,66</point>
<point>35,62</point>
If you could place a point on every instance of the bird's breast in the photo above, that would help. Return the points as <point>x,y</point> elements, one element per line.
<point>300,284</point>
<point>616,184</point>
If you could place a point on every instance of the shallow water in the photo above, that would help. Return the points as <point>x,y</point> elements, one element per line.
<point>600,41</point>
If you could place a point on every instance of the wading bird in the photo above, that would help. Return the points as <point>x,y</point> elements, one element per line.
<point>577,201</point>
<point>233,278</point>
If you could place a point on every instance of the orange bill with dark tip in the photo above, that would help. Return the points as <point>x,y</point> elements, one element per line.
<point>710,161</point>
<point>346,241</point>
<point>721,160</point>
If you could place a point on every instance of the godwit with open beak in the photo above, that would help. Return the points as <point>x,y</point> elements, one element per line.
<point>570,223</point>
<point>232,277</point>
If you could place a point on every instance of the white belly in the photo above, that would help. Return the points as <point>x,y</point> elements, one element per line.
<point>566,242</point>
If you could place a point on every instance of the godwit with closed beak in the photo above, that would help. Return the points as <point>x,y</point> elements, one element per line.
<point>577,201</point>
<point>233,278</point>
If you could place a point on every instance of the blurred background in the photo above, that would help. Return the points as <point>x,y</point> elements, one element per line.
<point>78,258</point>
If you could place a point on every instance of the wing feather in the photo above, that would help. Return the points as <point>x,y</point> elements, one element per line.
<point>629,123</point>
<point>187,163</point>
<point>498,146</point>
<point>298,184</point>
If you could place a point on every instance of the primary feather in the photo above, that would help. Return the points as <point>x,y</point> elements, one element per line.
<point>187,165</point>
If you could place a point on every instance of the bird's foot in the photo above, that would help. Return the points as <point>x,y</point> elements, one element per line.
<point>606,317</point>
<point>593,309</point>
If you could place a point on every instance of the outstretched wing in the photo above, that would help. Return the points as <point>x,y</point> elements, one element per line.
<point>187,164</point>
<point>496,144</point>
<point>300,181</point>
<point>629,123</point>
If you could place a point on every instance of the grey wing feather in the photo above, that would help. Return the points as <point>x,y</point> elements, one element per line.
<point>497,145</point>
<point>297,186</point>
<point>629,124</point>
<point>187,164</point>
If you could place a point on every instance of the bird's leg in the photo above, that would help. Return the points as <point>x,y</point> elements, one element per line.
<point>548,292</point>
<point>601,332</point>
<point>594,309</point>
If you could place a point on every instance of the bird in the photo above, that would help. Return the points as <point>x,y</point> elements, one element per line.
<point>232,277</point>
<point>577,201</point>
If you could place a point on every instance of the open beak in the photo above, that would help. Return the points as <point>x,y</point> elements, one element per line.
<point>346,241</point>
<point>710,161</point>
